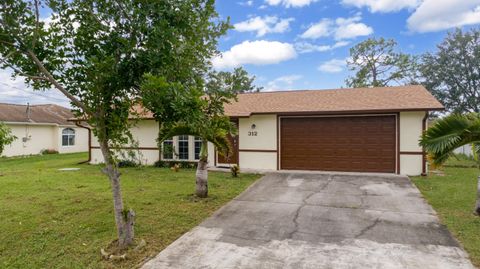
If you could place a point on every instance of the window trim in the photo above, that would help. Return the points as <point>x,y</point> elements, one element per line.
<point>186,139</point>
<point>69,136</point>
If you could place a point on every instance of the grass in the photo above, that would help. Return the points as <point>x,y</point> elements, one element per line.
<point>55,219</point>
<point>453,197</point>
<point>461,160</point>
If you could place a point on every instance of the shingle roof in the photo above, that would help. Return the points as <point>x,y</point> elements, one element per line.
<point>52,114</point>
<point>379,99</point>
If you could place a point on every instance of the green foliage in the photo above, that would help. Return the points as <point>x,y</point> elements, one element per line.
<point>131,157</point>
<point>449,133</point>
<point>378,64</point>
<point>181,164</point>
<point>197,111</point>
<point>237,81</point>
<point>452,73</point>
<point>235,170</point>
<point>6,137</point>
<point>96,51</point>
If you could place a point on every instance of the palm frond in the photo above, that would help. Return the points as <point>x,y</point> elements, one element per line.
<point>449,133</point>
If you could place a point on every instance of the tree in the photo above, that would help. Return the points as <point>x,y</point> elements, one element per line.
<point>377,64</point>
<point>452,73</point>
<point>6,137</point>
<point>197,112</point>
<point>238,80</point>
<point>96,52</point>
<point>449,133</point>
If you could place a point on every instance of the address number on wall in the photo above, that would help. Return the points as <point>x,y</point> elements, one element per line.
<point>252,133</point>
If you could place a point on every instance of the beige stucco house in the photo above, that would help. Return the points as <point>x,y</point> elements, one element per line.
<point>40,127</point>
<point>354,130</point>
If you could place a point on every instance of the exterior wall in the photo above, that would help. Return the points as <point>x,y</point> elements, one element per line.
<point>81,140</point>
<point>258,160</point>
<point>258,151</point>
<point>411,128</point>
<point>145,132</point>
<point>42,136</point>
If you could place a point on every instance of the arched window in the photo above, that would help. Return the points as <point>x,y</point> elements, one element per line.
<point>68,137</point>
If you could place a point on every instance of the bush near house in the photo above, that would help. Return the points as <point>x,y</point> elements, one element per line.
<point>61,219</point>
<point>48,151</point>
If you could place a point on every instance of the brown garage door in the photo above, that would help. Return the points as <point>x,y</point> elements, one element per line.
<point>353,144</point>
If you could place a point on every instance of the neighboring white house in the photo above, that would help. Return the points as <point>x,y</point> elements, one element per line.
<point>40,127</point>
<point>355,130</point>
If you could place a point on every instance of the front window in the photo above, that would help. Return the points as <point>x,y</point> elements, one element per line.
<point>183,147</point>
<point>68,137</point>
<point>198,147</point>
<point>168,149</point>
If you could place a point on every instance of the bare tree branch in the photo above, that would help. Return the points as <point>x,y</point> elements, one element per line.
<point>55,83</point>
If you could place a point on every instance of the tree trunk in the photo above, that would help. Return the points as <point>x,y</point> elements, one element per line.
<point>124,220</point>
<point>201,189</point>
<point>477,206</point>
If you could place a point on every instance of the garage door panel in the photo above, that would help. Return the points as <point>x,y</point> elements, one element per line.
<point>365,144</point>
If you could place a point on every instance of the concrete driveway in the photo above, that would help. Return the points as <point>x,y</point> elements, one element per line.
<point>320,220</point>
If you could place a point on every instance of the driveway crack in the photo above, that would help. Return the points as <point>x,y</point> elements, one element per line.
<point>304,203</point>
<point>368,228</point>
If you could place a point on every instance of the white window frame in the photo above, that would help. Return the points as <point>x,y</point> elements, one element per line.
<point>69,136</point>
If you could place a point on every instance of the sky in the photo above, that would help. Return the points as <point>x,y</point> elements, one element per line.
<point>304,44</point>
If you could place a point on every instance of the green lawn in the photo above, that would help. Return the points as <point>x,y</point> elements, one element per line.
<point>55,219</point>
<point>453,197</point>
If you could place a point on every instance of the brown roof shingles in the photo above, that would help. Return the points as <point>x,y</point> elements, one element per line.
<point>50,114</point>
<point>381,99</point>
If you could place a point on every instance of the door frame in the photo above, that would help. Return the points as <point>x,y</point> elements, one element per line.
<point>397,131</point>
<point>235,149</point>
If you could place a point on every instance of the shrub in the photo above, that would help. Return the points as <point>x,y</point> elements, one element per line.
<point>48,151</point>
<point>170,164</point>
<point>128,163</point>
<point>235,170</point>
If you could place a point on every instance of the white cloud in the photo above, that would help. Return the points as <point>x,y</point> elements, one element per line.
<point>290,3</point>
<point>246,3</point>
<point>267,24</point>
<point>383,5</point>
<point>259,52</point>
<point>340,29</point>
<point>282,83</point>
<point>350,28</point>
<point>322,28</point>
<point>434,15</point>
<point>16,92</point>
<point>333,66</point>
<point>305,47</point>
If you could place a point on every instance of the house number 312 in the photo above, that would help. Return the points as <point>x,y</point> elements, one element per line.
<point>252,133</point>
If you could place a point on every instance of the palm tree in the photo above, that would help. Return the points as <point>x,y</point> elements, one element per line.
<point>215,130</point>
<point>452,132</point>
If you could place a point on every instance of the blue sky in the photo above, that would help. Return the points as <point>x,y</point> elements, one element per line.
<point>303,44</point>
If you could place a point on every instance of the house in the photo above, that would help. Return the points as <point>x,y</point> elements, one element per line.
<point>354,130</point>
<point>40,127</point>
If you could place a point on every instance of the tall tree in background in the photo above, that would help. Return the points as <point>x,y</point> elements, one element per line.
<point>6,137</point>
<point>96,52</point>
<point>452,73</point>
<point>377,63</point>
<point>198,112</point>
